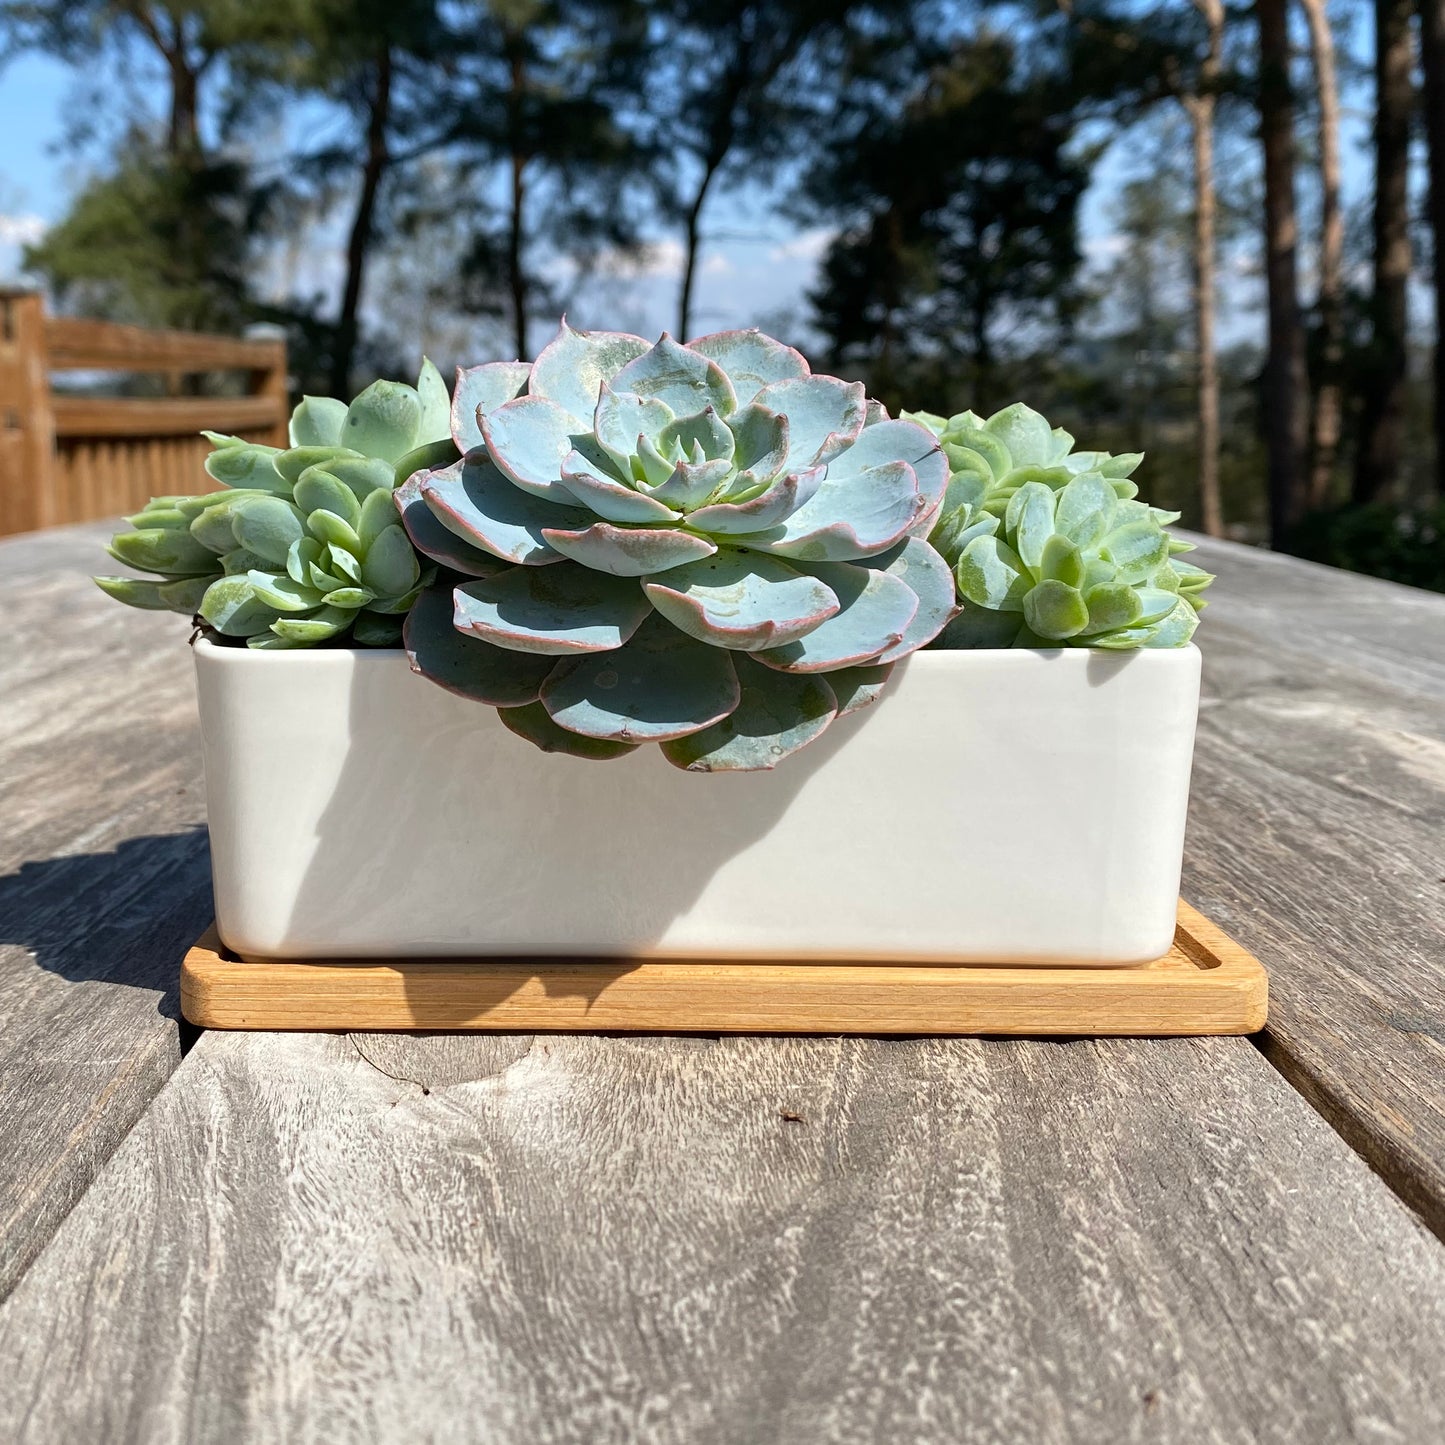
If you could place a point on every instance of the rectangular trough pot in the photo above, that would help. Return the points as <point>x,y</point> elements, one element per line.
<point>993,807</point>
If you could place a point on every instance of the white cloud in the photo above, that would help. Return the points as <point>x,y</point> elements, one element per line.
<point>806,246</point>
<point>21,230</point>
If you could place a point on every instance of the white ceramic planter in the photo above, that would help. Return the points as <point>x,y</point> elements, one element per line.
<point>993,806</point>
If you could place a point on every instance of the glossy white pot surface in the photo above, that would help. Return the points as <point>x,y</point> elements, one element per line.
<point>1007,806</point>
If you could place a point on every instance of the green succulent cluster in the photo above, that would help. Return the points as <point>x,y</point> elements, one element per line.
<point>302,545</point>
<point>1050,547</point>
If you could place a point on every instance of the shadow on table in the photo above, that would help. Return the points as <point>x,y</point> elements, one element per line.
<point>125,916</point>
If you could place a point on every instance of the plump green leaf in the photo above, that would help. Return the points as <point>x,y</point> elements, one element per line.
<point>384,421</point>
<point>317,422</point>
<point>169,550</point>
<point>1055,611</point>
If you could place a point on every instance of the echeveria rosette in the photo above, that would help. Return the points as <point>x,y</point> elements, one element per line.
<point>1050,547</point>
<point>705,546</point>
<point>302,545</point>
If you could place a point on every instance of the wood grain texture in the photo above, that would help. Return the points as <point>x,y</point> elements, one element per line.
<point>314,1237</point>
<point>1206,984</point>
<point>103,873</point>
<point>1317,838</point>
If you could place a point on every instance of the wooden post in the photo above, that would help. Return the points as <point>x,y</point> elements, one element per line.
<point>27,425</point>
<point>272,381</point>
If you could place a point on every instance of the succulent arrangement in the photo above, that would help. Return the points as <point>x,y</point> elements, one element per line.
<point>1050,547</point>
<point>705,546</point>
<point>302,545</point>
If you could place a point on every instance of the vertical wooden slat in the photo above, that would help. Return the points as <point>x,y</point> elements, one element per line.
<point>124,452</point>
<point>27,434</point>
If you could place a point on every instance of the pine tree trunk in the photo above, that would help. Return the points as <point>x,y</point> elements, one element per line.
<point>1329,391</point>
<point>1383,421</point>
<point>363,224</point>
<point>516,235</point>
<point>1201,118</point>
<point>1285,380</point>
<point>692,243</point>
<point>1432,45</point>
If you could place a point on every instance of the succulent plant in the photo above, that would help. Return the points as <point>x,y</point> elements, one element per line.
<point>705,546</point>
<point>1050,547</point>
<point>301,545</point>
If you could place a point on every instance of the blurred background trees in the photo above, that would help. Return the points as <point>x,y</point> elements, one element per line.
<point>1203,229</point>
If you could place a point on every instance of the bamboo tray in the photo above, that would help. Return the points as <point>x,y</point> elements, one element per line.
<point>1206,984</point>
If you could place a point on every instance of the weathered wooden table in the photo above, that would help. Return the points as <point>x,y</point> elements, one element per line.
<point>323,1237</point>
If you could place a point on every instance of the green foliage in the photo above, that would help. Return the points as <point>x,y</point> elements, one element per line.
<point>676,544</point>
<point>960,215</point>
<point>1401,544</point>
<point>302,545</point>
<point>1050,547</point>
<point>158,242</point>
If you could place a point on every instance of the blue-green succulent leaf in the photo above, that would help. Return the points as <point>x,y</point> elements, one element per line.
<point>558,610</point>
<point>621,419</point>
<point>769,508</point>
<point>847,518</point>
<point>534,723</point>
<point>686,380</point>
<point>429,458</point>
<point>529,439</point>
<point>875,611</point>
<point>498,676</point>
<point>824,416</point>
<point>929,577</point>
<point>760,444</point>
<point>628,551</point>
<point>750,359</point>
<point>660,685</point>
<point>437,541</point>
<point>706,430</point>
<point>474,500</point>
<point>742,600</point>
<point>609,498</point>
<point>572,367</point>
<point>691,483</point>
<point>858,687</point>
<point>777,714</point>
<point>483,389</point>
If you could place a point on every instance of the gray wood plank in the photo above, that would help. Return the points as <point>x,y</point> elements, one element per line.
<point>103,873</point>
<point>594,1239</point>
<point>1317,838</point>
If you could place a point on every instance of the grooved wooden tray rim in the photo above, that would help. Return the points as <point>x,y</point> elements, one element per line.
<point>1206,984</point>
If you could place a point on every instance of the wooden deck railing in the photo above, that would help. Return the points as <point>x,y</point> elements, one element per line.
<point>71,458</point>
